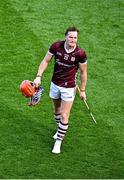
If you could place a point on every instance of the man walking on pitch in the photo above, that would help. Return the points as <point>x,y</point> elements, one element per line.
<point>69,57</point>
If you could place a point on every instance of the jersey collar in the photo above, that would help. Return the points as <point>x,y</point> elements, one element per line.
<point>69,51</point>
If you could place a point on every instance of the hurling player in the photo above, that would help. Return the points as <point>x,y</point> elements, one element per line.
<point>69,57</point>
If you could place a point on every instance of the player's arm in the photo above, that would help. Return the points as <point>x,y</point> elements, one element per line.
<point>83,77</point>
<point>42,67</point>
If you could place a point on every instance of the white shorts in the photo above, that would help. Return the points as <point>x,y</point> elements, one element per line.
<point>66,94</point>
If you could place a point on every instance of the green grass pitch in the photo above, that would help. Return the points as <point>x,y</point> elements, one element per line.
<point>27,28</point>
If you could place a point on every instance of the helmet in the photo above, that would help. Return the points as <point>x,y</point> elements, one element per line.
<point>27,89</point>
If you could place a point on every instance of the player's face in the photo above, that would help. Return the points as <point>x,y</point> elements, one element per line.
<point>71,38</point>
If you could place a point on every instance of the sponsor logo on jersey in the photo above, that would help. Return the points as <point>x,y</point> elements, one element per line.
<point>63,64</point>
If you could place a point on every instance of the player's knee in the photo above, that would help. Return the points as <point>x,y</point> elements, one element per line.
<point>64,117</point>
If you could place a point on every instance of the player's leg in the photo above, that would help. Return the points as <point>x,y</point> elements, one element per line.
<point>63,125</point>
<point>55,95</point>
<point>57,110</point>
<point>63,107</point>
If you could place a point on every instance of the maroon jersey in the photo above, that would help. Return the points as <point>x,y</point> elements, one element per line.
<point>66,64</point>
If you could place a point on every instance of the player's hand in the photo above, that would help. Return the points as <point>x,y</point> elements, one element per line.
<point>37,81</point>
<point>83,95</point>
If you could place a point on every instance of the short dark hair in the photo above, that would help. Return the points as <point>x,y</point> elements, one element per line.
<point>71,29</point>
